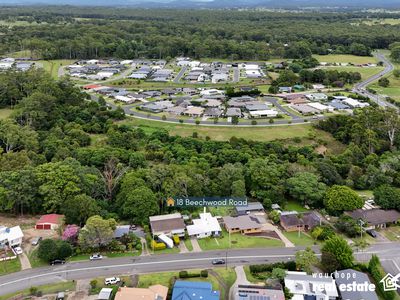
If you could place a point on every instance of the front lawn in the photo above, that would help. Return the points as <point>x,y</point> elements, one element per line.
<point>45,289</point>
<point>292,205</point>
<point>250,276</point>
<point>35,261</point>
<point>237,241</point>
<point>105,254</point>
<point>188,244</point>
<point>392,233</point>
<point>302,240</point>
<point>10,266</point>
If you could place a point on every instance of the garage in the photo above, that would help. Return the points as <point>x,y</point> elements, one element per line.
<point>49,222</point>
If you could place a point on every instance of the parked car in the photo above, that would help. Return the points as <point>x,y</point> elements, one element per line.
<point>96,256</point>
<point>112,280</point>
<point>18,250</point>
<point>60,296</point>
<point>218,262</point>
<point>36,241</point>
<point>132,227</point>
<point>372,233</point>
<point>57,262</point>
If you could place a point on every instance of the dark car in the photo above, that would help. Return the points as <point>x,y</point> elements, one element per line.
<point>57,262</point>
<point>218,262</point>
<point>372,233</point>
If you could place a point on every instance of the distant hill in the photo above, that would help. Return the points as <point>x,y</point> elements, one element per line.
<point>216,3</point>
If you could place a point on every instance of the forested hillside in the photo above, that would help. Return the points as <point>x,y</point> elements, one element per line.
<point>50,164</point>
<point>68,32</point>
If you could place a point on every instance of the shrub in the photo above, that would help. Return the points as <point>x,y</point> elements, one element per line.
<point>93,284</point>
<point>204,273</point>
<point>157,246</point>
<point>183,274</point>
<point>164,117</point>
<point>197,122</point>
<point>33,290</point>
<point>253,122</point>
<point>180,121</point>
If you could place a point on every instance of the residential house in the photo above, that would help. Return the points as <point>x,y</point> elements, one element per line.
<point>305,109</point>
<point>219,77</point>
<point>308,287</point>
<point>251,207</point>
<point>233,112</point>
<point>194,111</point>
<point>211,92</point>
<point>256,106</point>
<point>259,292</point>
<point>299,87</point>
<point>153,292</point>
<point>213,112</point>
<point>10,236</point>
<point>285,89</point>
<point>51,221</point>
<point>243,224</point>
<point>176,110</point>
<point>299,222</point>
<point>212,103</point>
<point>121,230</point>
<point>375,218</point>
<point>337,105</point>
<point>267,113</point>
<point>205,226</point>
<point>188,290</point>
<point>317,97</point>
<point>169,225</point>
<point>349,276</point>
<point>321,107</point>
<point>355,103</point>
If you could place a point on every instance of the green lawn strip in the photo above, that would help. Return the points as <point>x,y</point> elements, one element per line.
<point>10,266</point>
<point>223,133</point>
<point>105,254</point>
<point>45,289</point>
<point>228,274</point>
<point>392,233</point>
<point>188,244</point>
<point>344,58</point>
<point>166,251</point>
<point>5,113</point>
<point>127,280</point>
<point>292,205</point>
<point>250,276</point>
<point>35,261</point>
<point>299,240</point>
<point>237,241</point>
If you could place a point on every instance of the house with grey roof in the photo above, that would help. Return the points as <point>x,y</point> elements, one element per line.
<point>213,112</point>
<point>233,112</point>
<point>375,218</point>
<point>299,222</point>
<point>251,207</point>
<point>243,224</point>
<point>256,106</point>
<point>349,276</point>
<point>304,109</point>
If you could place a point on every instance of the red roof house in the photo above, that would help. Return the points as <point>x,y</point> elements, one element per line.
<point>91,86</point>
<point>47,222</point>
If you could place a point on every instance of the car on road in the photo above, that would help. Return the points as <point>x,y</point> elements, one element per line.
<point>96,256</point>
<point>57,262</point>
<point>218,261</point>
<point>372,233</point>
<point>36,240</point>
<point>18,250</point>
<point>112,280</point>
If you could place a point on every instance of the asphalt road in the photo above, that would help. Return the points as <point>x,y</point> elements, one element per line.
<point>388,253</point>
<point>180,74</point>
<point>361,88</point>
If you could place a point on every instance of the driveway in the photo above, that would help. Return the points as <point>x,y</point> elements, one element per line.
<point>240,279</point>
<point>195,244</point>
<point>180,74</point>
<point>25,263</point>
<point>284,239</point>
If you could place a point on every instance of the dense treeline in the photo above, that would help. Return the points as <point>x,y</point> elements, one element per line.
<point>50,164</point>
<point>75,33</point>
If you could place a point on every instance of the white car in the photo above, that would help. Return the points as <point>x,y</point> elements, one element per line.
<point>112,280</point>
<point>96,257</point>
<point>18,250</point>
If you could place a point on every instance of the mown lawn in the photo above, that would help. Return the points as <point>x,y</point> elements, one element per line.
<point>52,66</point>
<point>105,254</point>
<point>299,240</point>
<point>365,72</point>
<point>344,58</point>
<point>10,266</point>
<point>45,289</point>
<point>237,241</point>
<point>188,244</point>
<point>223,133</point>
<point>5,113</point>
<point>35,261</point>
<point>292,205</point>
<point>393,90</point>
<point>250,276</point>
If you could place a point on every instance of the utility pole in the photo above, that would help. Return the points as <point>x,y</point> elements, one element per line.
<point>226,260</point>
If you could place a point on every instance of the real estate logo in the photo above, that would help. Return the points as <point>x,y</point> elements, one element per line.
<point>390,282</point>
<point>205,201</point>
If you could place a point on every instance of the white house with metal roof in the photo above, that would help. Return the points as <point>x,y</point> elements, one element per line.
<point>10,236</point>
<point>206,226</point>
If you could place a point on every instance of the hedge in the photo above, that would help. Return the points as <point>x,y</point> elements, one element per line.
<point>290,265</point>
<point>377,273</point>
<point>157,246</point>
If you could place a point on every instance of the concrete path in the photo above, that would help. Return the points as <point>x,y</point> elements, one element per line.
<point>195,244</point>
<point>25,263</point>
<point>240,279</point>
<point>145,249</point>
<point>285,240</point>
<point>182,247</point>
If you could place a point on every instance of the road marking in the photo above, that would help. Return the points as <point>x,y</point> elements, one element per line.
<point>141,264</point>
